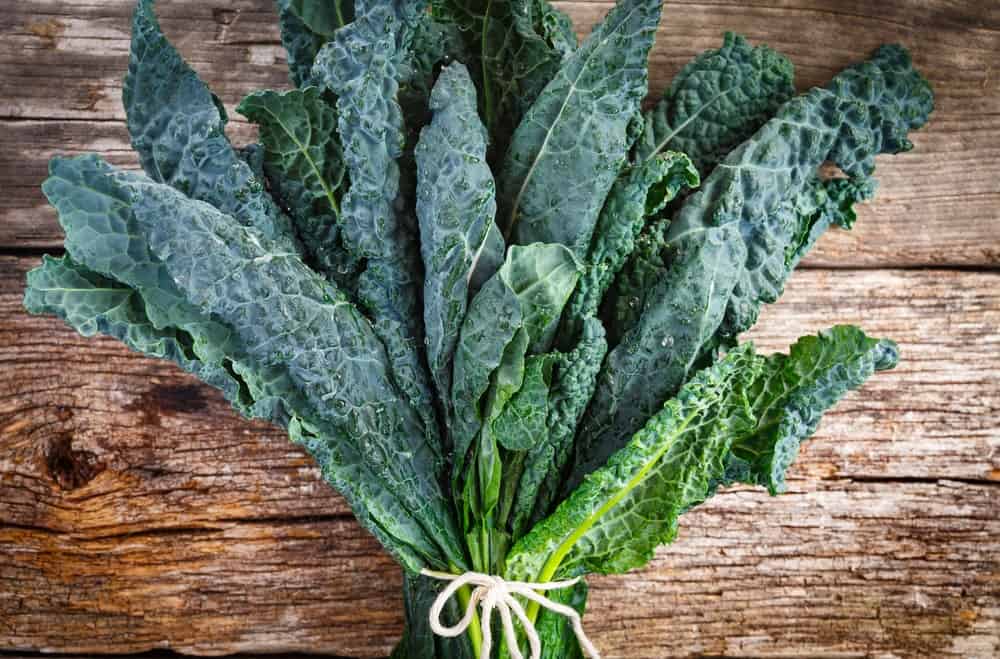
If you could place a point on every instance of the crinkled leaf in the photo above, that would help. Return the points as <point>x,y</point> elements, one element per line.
<point>521,301</point>
<point>832,204</point>
<point>646,267</point>
<point>638,194</point>
<point>522,423</point>
<point>621,512</point>
<point>778,242</point>
<point>793,393</point>
<point>95,211</point>
<point>93,304</point>
<point>663,347</point>
<point>298,132</point>
<point>456,207</point>
<point>571,144</point>
<point>363,65</point>
<point>433,42</point>
<point>717,100</point>
<point>305,168</point>
<point>865,110</point>
<point>285,314</point>
<point>178,129</point>
<point>301,44</point>
<point>514,49</point>
<point>573,380</point>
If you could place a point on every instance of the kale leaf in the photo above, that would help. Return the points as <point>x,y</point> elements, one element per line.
<point>727,228</point>
<point>574,139</point>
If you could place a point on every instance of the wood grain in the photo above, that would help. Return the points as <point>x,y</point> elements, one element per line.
<point>137,511</point>
<point>61,64</point>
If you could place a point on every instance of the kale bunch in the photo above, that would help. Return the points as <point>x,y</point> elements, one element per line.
<point>496,301</point>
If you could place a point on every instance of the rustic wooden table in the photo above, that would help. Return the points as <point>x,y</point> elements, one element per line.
<point>138,512</point>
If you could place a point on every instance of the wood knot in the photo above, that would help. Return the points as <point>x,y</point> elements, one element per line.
<point>69,468</point>
<point>223,16</point>
<point>48,31</point>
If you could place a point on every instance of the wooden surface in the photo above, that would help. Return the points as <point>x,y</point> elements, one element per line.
<point>138,512</point>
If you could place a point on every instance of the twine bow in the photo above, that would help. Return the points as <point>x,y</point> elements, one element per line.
<point>493,592</point>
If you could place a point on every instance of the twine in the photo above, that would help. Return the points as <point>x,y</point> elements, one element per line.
<point>493,592</point>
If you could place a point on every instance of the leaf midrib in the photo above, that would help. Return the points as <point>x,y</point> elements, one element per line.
<point>512,220</point>
<point>327,190</point>
<point>560,553</point>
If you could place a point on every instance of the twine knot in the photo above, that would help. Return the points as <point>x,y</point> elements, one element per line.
<point>493,592</point>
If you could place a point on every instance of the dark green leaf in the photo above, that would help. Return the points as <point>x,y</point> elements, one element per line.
<point>727,228</point>
<point>285,314</point>
<point>363,65</point>
<point>638,193</point>
<point>177,128</point>
<point>778,242</point>
<point>419,641</point>
<point>306,170</point>
<point>571,144</point>
<point>456,208</point>
<point>793,393</point>
<point>522,423</point>
<point>323,17</point>
<point>646,267</point>
<point>717,100</point>
<point>301,44</point>
<point>555,631</point>
<point>573,381</point>
<point>514,49</point>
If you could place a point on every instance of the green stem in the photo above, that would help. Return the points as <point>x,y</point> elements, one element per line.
<point>340,14</point>
<point>557,556</point>
<point>474,631</point>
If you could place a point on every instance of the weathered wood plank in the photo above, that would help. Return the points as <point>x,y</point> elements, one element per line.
<point>137,511</point>
<point>61,62</point>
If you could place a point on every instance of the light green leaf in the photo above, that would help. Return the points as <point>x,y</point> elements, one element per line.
<point>93,304</point>
<point>763,406</point>
<point>522,300</point>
